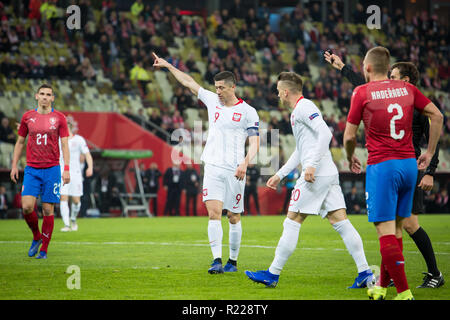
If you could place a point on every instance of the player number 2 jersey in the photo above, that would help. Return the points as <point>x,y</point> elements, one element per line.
<point>386,107</point>
<point>225,145</point>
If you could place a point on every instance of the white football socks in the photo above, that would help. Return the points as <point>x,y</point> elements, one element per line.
<point>64,209</point>
<point>353,242</point>
<point>215,235</point>
<point>286,245</point>
<point>235,235</point>
<point>75,209</point>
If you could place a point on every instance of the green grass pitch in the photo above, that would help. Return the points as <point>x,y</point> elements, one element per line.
<point>167,259</point>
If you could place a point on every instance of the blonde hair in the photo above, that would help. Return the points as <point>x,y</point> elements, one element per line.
<point>292,81</point>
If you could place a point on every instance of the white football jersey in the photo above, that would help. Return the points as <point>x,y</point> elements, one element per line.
<point>312,138</point>
<point>77,146</point>
<point>227,133</point>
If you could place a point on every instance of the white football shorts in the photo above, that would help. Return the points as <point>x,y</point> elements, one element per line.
<point>317,198</point>
<point>75,187</point>
<point>221,184</point>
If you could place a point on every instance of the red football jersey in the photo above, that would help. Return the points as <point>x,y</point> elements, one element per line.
<point>44,131</point>
<point>386,107</point>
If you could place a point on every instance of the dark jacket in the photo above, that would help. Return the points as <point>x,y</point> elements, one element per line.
<point>172,179</point>
<point>191,181</point>
<point>152,180</point>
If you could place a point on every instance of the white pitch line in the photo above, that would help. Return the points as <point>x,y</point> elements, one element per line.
<point>152,243</point>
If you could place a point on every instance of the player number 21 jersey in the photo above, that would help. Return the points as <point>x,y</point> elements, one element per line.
<point>43,131</point>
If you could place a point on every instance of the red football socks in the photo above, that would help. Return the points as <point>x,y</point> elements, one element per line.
<point>393,263</point>
<point>47,229</point>
<point>33,222</point>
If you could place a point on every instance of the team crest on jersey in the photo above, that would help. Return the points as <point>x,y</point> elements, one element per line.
<point>52,121</point>
<point>237,116</point>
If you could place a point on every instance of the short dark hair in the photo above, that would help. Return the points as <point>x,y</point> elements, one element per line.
<point>407,69</point>
<point>292,80</point>
<point>379,58</point>
<point>45,86</point>
<point>226,76</point>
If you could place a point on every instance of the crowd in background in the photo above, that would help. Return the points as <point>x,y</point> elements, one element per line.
<point>128,37</point>
<point>125,38</point>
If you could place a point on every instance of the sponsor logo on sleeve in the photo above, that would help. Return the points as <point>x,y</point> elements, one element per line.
<point>314,115</point>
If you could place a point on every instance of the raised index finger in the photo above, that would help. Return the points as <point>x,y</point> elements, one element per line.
<point>154,55</point>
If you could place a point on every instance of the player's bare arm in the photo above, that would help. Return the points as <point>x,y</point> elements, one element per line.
<point>253,149</point>
<point>309,174</point>
<point>350,145</point>
<point>273,182</point>
<point>185,79</point>
<point>426,183</point>
<point>16,156</point>
<point>66,156</point>
<point>436,122</point>
<point>90,165</point>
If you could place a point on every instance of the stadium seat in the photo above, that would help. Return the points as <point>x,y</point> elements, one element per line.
<point>7,107</point>
<point>167,91</point>
<point>329,108</point>
<point>6,152</point>
<point>191,116</point>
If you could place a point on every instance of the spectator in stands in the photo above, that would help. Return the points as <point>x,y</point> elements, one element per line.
<point>34,12</point>
<point>343,102</point>
<point>87,71</point>
<point>319,91</point>
<point>301,67</point>
<point>259,102</point>
<point>191,64</point>
<point>122,85</point>
<point>277,65</point>
<point>155,118</point>
<point>191,183</point>
<point>6,133</point>
<point>210,73</point>
<point>359,16</point>
<point>136,8</point>
<point>153,174</point>
<point>354,201</point>
<point>181,100</point>
<point>4,203</point>
<point>142,116</point>
<point>177,120</point>
<point>172,184</point>
<point>285,124</point>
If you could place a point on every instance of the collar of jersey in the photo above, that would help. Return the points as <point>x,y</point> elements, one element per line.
<point>37,108</point>
<point>239,102</point>
<point>298,101</point>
